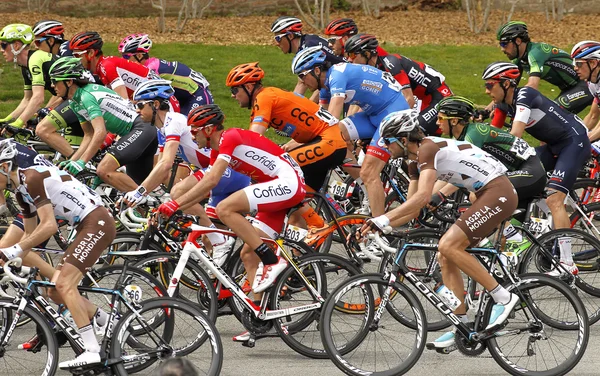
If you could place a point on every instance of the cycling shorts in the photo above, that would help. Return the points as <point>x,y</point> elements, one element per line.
<point>64,118</point>
<point>496,201</point>
<point>136,150</point>
<point>273,199</point>
<point>94,234</point>
<point>231,182</point>
<point>576,98</point>
<point>201,97</point>
<point>565,160</point>
<point>529,180</point>
<point>318,156</point>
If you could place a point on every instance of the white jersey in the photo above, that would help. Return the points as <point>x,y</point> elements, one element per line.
<point>175,128</point>
<point>595,90</point>
<point>459,163</point>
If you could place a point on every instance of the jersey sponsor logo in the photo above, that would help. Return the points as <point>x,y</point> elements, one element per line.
<point>309,154</point>
<point>303,116</point>
<point>117,110</point>
<point>74,199</point>
<point>576,95</point>
<point>272,191</point>
<point>130,79</point>
<point>481,216</point>
<point>474,167</point>
<point>126,143</point>
<point>262,159</point>
<point>568,68</point>
<point>388,64</point>
<point>429,114</point>
<point>36,69</point>
<point>418,77</point>
<point>371,86</point>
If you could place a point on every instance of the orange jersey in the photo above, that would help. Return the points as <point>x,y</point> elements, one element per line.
<point>290,114</point>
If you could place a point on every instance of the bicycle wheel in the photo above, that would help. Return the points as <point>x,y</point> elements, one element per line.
<point>374,342</point>
<point>586,253</point>
<point>200,290</point>
<point>301,331</point>
<point>586,194</point>
<point>14,361</point>
<point>185,331</point>
<point>549,333</point>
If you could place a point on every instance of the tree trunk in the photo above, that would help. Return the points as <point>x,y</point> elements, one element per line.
<point>160,5</point>
<point>183,15</point>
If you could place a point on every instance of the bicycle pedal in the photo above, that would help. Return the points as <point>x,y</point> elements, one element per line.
<point>446,350</point>
<point>251,342</point>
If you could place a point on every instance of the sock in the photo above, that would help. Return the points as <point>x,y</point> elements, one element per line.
<point>565,250</point>
<point>266,254</point>
<point>215,238</point>
<point>511,234</point>
<point>89,338</point>
<point>500,295</point>
<point>101,316</point>
<point>312,218</point>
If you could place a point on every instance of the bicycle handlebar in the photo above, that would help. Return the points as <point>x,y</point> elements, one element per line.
<point>16,263</point>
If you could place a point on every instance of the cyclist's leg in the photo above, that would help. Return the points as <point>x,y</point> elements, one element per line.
<point>62,117</point>
<point>575,99</point>
<point>355,127</point>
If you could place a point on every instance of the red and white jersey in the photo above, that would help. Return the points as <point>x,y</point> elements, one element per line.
<point>176,129</point>
<point>254,155</point>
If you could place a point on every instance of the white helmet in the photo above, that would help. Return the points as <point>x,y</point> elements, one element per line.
<point>586,50</point>
<point>285,24</point>
<point>399,123</point>
<point>8,153</point>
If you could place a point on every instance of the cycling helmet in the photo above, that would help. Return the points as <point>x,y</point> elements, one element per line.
<point>86,40</point>
<point>512,30</point>
<point>307,59</point>
<point>67,68</point>
<point>456,106</point>
<point>360,43</point>
<point>501,71</point>
<point>244,73</point>
<point>135,43</point>
<point>285,24</point>
<point>399,124</point>
<point>49,28</point>
<point>8,153</point>
<point>204,116</point>
<point>17,32</point>
<point>153,89</point>
<point>586,50</point>
<point>341,26</point>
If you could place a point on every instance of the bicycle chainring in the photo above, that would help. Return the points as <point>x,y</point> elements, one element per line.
<point>469,348</point>
<point>255,325</point>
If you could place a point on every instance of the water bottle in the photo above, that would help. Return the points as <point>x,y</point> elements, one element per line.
<point>66,314</point>
<point>596,148</point>
<point>448,297</point>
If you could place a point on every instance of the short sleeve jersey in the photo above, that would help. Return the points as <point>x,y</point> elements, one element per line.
<point>252,154</point>
<point>367,87</point>
<point>510,150</point>
<point>184,80</point>
<point>417,76</point>
<point>291,114</point>
<point>311,40</point>
<point>27,157</point>
<point>36,73</point>
<point>176,129</point>
<point>457,162</point>
<point>92,101</point>
<point>550,63</point>
<point>116,71</point>
<point>595,91</point>
<point>71,200</point>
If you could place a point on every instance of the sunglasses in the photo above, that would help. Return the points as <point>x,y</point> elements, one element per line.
<point>333,38</point>
<point>578,64</point>
<point>351,55</point>
<point>279,37</point>
<point>140,105</point>
<point>442,117</point>
<point>234,90</point>
<point>54,82</point>
<point>4,45</point>
<point>301,75</point>
<point>79,53</point>
<point>389,140</point>
<point>490,85</point>
<point>39,41</point>
<point>126,56</point>
<point>503,44</point>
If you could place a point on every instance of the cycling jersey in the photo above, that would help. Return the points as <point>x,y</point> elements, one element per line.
<point>27,157</point>
<point>191,88</point>
<point>175,128</point>
<point>92,101</point>
<point>36,73</point>
<point>63,118</point>
<point>311,40</point>
<point>116,71</point>
<point>594,89</point>
<point>512,151</point>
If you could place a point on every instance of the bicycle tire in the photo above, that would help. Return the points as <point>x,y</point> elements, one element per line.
<point>210,335</point>
<point>288,286</point>
<point>345,355</point>
<point>37,324</point>
<point>513,364</point>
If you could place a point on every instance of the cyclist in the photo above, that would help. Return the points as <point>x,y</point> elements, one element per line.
<point>191,88</point>
<point>376,92</point>
<point>586,62</point>
<point>179,141</point>
<point>49,35</point>
<point>316,141</point>
<point>289,38</point>
<point>566,145</point>
<point>543,62</point>
<point>338,31</point>
<point>50,194</point>
<point>99,110</point>
<point>279,186</point>
<point>15,40</point>
<point>463,165</point>
<point>416,79</point>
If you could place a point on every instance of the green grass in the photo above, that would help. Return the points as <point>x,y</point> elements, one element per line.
<point>462,67</point>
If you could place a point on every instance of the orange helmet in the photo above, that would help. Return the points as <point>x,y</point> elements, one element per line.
<point>244,73</point>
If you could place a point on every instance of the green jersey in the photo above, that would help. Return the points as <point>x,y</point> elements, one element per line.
<point>510,150</point>
<point>92,101</point>
<point>549,63</point>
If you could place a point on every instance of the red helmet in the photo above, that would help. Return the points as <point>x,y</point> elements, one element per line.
<point>341,26</point>
<point>204,116</point>
<point>501,71</point>
<point>86,40</point>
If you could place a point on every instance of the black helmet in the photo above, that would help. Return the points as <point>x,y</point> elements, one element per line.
<point>512,30</point>
<point>360,43</point>
<point>456,107</point>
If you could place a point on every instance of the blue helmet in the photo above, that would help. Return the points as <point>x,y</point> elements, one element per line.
<point>307,58</point>
<point>153,89</point>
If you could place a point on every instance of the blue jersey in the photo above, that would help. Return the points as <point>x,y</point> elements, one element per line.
<point>367,87</point>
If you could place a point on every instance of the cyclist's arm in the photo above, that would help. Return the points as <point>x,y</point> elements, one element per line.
<point>88,133</point>
<point>34,104</point>
<point>315,96</point>
<point>409,96</point>
<point>36,233</point>
<point>54,101</point>
<point>121,90</point>
<point>98,136</point>
<point>258,128</point>
<point>353,109</point>
<point>300,87</point>
<point>518,127</point>
<point>410,209</point>
<point>202,189</point>
<point>591,119</point>
<point>534,82</point>
<point>336,105</point>
<point>19,110</point>
<point>161,170</point>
